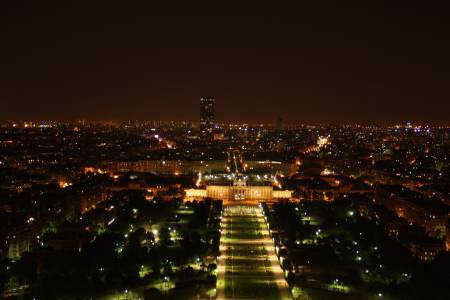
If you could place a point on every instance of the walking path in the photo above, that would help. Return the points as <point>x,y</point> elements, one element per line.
<point>248,267</point>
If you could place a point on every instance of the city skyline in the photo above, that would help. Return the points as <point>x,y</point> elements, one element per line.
<point>192,210</point>
<point>206,118</point>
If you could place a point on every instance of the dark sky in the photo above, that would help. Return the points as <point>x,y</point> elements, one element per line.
<point>314,61</point>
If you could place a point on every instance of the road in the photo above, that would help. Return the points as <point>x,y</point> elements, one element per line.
<point>235,162</point>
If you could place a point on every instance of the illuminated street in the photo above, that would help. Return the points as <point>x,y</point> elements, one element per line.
<point>248,266</point>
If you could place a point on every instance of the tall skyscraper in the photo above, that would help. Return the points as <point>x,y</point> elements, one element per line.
<point>207,115</point>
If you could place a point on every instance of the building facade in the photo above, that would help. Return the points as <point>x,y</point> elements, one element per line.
<point>238,190</point>
<point>168,167</point>
<point>207,116</point>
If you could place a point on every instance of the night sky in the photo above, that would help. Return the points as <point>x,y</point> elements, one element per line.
<point>324,61</point>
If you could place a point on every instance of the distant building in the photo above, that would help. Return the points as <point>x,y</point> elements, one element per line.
<point>429,213</point>
<point>218,137</point>
<point>168,167</point>
<point>207,116</point>
<point>178,167</point>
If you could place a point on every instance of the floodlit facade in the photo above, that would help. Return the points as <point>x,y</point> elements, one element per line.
<point>196,193</point>
<point>238,190</point>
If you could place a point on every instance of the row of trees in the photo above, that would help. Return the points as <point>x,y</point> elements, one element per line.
<point>126,254</point>
<point>350,251</point>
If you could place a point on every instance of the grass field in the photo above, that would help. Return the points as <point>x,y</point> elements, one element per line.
<point>249,273</point>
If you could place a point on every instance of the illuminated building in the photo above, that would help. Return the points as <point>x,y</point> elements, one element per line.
<point>207,116</point>
<point>429,213</point>
<point>239,189</point>
<point>168,167</point>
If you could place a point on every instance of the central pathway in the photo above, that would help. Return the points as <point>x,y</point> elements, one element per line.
<point>248,267</point>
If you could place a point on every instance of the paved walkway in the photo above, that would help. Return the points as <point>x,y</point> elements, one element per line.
<point>248,267</point>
